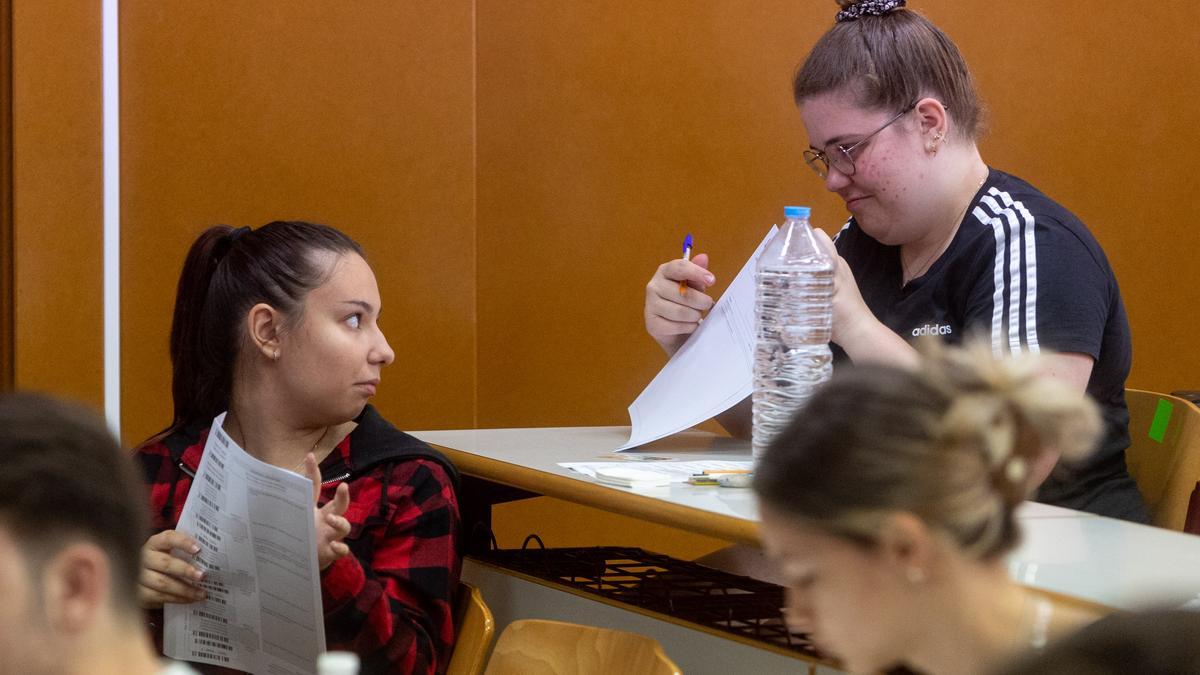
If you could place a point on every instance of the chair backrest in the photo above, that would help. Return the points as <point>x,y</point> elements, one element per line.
<point>474,631</point>
<point>537,647</point>
<point>1164,453</point>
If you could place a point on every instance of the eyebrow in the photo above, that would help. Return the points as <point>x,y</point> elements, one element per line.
<point>836,140</point>
<point>367,307</point>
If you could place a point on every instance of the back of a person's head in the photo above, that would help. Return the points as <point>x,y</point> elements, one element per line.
<point>1146,643</point>
<point>953,443</point>
<point>890,57</point>
<point>65,481</point>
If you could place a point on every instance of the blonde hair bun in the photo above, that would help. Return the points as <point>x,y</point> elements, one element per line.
<point>958,442</point>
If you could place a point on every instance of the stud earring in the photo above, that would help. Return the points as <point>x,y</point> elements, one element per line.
<point>275,355</point>
<point>1016,469</point>
<point>932,146</point>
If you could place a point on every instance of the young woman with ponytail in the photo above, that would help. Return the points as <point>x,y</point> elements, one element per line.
<point>939,243</point>
<point>279,326</point>
<point>890,535</point>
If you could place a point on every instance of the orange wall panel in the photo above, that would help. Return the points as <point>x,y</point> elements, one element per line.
<point>57,198</point>
<point>606,132</point>
<point>359,117</point>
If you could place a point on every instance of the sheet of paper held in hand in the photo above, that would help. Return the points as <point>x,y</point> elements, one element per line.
<point>710,373</point>
<point>254,523</point>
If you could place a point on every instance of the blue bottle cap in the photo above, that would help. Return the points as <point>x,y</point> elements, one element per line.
<point>796,211</point>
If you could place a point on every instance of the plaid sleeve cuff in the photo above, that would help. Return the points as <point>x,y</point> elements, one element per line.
<point>341,582</point>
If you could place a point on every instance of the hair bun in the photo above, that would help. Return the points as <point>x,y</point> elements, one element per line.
<point>852,11</point>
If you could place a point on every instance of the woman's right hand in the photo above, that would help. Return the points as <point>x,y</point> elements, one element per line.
<point>165,578</point>
<point>670,316</point>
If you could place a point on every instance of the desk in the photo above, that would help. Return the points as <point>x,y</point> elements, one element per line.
<point>527,459</point>
<point>1101,560</point>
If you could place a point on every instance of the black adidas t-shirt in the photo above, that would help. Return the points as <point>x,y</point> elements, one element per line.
<point>1026,273</point>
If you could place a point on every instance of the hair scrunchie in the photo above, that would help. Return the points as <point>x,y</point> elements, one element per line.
<point>868,8</point>
<point>222,248</point>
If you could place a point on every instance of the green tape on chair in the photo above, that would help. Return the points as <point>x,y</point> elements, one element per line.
<point>1162,417</point>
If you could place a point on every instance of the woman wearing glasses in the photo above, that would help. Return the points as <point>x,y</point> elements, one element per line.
<point>938,243</point>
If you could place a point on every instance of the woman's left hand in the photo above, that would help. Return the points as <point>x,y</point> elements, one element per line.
<point>332,526</point>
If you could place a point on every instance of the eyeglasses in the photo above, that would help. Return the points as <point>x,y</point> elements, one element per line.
<point>839,156</point>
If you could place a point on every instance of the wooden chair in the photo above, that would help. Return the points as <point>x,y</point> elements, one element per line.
<point>475,629</point>
<point>537,647</point>
<point>1164,456</point>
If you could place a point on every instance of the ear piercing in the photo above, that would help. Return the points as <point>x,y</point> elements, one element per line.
<point>915,575</point>
<point>275,355</point>
<point>932,146</point>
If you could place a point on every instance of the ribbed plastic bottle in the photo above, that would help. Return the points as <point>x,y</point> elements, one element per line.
<point>793,317</point>
<point>338,663</point>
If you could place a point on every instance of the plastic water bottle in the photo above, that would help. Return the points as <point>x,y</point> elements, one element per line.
<point>793,320</point>
<point>338,663</point>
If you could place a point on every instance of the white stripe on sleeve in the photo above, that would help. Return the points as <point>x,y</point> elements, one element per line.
<point>1031,337</point>
<point>997,226</point>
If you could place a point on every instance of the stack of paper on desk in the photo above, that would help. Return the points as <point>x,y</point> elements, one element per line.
<point>710,373</point>
<point>673,472</point>
<point>631,478</point>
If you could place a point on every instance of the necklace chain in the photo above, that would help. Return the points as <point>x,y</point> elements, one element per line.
<point>298,468</point>
<point>929,259</point>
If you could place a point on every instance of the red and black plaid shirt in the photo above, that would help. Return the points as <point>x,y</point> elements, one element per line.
<point>390,599</point>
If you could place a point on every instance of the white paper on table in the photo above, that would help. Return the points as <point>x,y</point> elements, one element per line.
<point>710,373</point>
<point>678,472</point>
<point>254,523</point>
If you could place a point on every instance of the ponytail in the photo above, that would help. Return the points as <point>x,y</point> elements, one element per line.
<point>200,368</point>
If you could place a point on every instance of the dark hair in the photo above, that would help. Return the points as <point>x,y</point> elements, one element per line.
<point>952,443</point>
<point>64,479</point>
<point>891,61</point>
<point>227,271</point>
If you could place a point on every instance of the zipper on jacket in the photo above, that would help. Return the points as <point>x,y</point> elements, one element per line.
<point>189,472</point>
<point>336,478</point>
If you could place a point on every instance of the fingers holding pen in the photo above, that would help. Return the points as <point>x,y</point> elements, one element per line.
<point>663,289</point>
<point>671,316</point>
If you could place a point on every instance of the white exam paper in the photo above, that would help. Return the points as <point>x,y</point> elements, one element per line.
<point>710,373</point>
<point>254,523</point>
